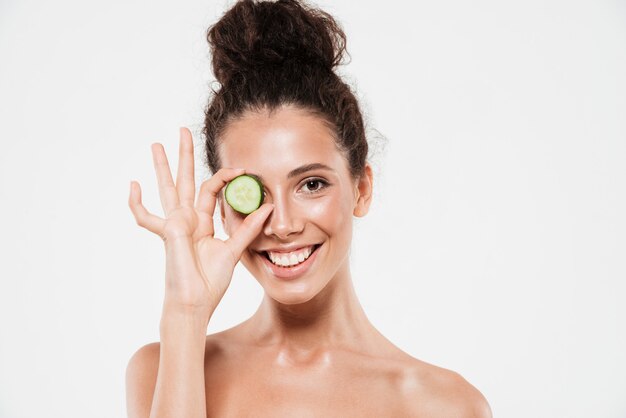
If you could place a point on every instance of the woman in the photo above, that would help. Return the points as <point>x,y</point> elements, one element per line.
<point>283,115</point>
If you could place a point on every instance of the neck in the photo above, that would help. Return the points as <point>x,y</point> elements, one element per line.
<point>333,319</point>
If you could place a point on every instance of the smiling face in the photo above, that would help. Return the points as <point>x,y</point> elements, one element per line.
<point>308,180</point>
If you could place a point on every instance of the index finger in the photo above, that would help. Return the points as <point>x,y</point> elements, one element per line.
<point>209,189</point>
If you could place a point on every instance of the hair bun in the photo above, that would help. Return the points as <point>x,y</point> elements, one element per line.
<point>254,35</point>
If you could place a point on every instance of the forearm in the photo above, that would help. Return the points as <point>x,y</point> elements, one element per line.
<point>180,389</point>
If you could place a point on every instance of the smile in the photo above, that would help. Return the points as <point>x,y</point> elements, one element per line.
<point>290,265</point>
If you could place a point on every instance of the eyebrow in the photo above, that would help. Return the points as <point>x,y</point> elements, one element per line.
<point>300,170</point>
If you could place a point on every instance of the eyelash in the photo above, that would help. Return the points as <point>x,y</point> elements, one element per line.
<point>324,184</point>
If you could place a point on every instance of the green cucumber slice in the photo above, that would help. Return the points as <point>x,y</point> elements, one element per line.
<point>244,193</point>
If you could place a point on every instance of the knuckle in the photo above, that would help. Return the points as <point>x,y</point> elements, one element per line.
<point>214,185</point>
<point>224,171</point>
<point>206,186</point>
<point>138,219</point>
<point>174,229</point>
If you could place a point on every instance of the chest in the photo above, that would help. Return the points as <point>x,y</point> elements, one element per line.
<point>276,393</point>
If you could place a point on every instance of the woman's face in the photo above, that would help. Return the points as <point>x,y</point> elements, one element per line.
<point>310,207</point>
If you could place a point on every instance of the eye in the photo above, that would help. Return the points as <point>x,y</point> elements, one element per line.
<point>314,185</point>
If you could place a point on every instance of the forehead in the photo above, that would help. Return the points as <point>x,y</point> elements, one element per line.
<point>277,143</point>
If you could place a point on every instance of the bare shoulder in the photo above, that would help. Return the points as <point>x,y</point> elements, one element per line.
<point>433,391</point>
<point>143,365</point>
<point>141,374</point>
<point>142,371</point>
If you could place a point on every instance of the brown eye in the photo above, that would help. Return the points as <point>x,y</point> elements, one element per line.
<point>315,185</point>
<point>311,184</point>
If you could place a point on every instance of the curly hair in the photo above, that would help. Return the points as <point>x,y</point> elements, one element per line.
<point>268,54</point>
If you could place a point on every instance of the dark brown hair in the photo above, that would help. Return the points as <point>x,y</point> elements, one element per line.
<point>267,54</point>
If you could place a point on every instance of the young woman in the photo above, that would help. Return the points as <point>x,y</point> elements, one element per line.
<point>282,115</point>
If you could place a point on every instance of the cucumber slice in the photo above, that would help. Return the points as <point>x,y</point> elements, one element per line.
<point>244,193</point>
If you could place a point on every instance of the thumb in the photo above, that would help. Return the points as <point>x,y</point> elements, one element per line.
<point>249,229</point>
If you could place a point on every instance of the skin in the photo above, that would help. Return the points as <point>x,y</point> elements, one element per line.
<point>309,349</point>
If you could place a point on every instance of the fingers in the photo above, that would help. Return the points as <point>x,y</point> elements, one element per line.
<point>249,229</point>
<point>185,183</point>
<point>142,216</point>
<point>167,189</point>
<point>207,195</point>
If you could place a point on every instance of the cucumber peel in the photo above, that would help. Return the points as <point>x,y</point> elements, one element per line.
<point>244,194</point>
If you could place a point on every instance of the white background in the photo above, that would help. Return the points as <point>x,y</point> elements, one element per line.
<point>495,246</point>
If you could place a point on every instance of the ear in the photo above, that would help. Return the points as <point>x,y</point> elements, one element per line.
<point>364,192</point>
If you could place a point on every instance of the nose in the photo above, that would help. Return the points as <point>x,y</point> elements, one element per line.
<point>284,220</point>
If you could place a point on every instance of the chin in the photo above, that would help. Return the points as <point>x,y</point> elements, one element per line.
<point>291,295</point>
<point>297,293</point>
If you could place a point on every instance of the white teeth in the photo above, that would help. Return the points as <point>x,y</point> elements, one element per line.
<point>290,259</point>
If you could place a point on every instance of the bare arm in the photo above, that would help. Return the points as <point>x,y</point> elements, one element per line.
<point>141,376</point>
<point>166,379</point>
<point>180,390</point>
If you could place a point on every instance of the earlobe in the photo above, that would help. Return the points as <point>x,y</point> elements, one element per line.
<point>364,192</point>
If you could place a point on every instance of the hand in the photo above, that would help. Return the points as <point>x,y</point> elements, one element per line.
<point>199,267</point>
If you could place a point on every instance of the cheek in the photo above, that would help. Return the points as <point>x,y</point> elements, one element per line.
<point>332,213</point>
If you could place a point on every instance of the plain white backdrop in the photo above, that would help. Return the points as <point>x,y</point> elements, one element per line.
<point>495,245</point>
